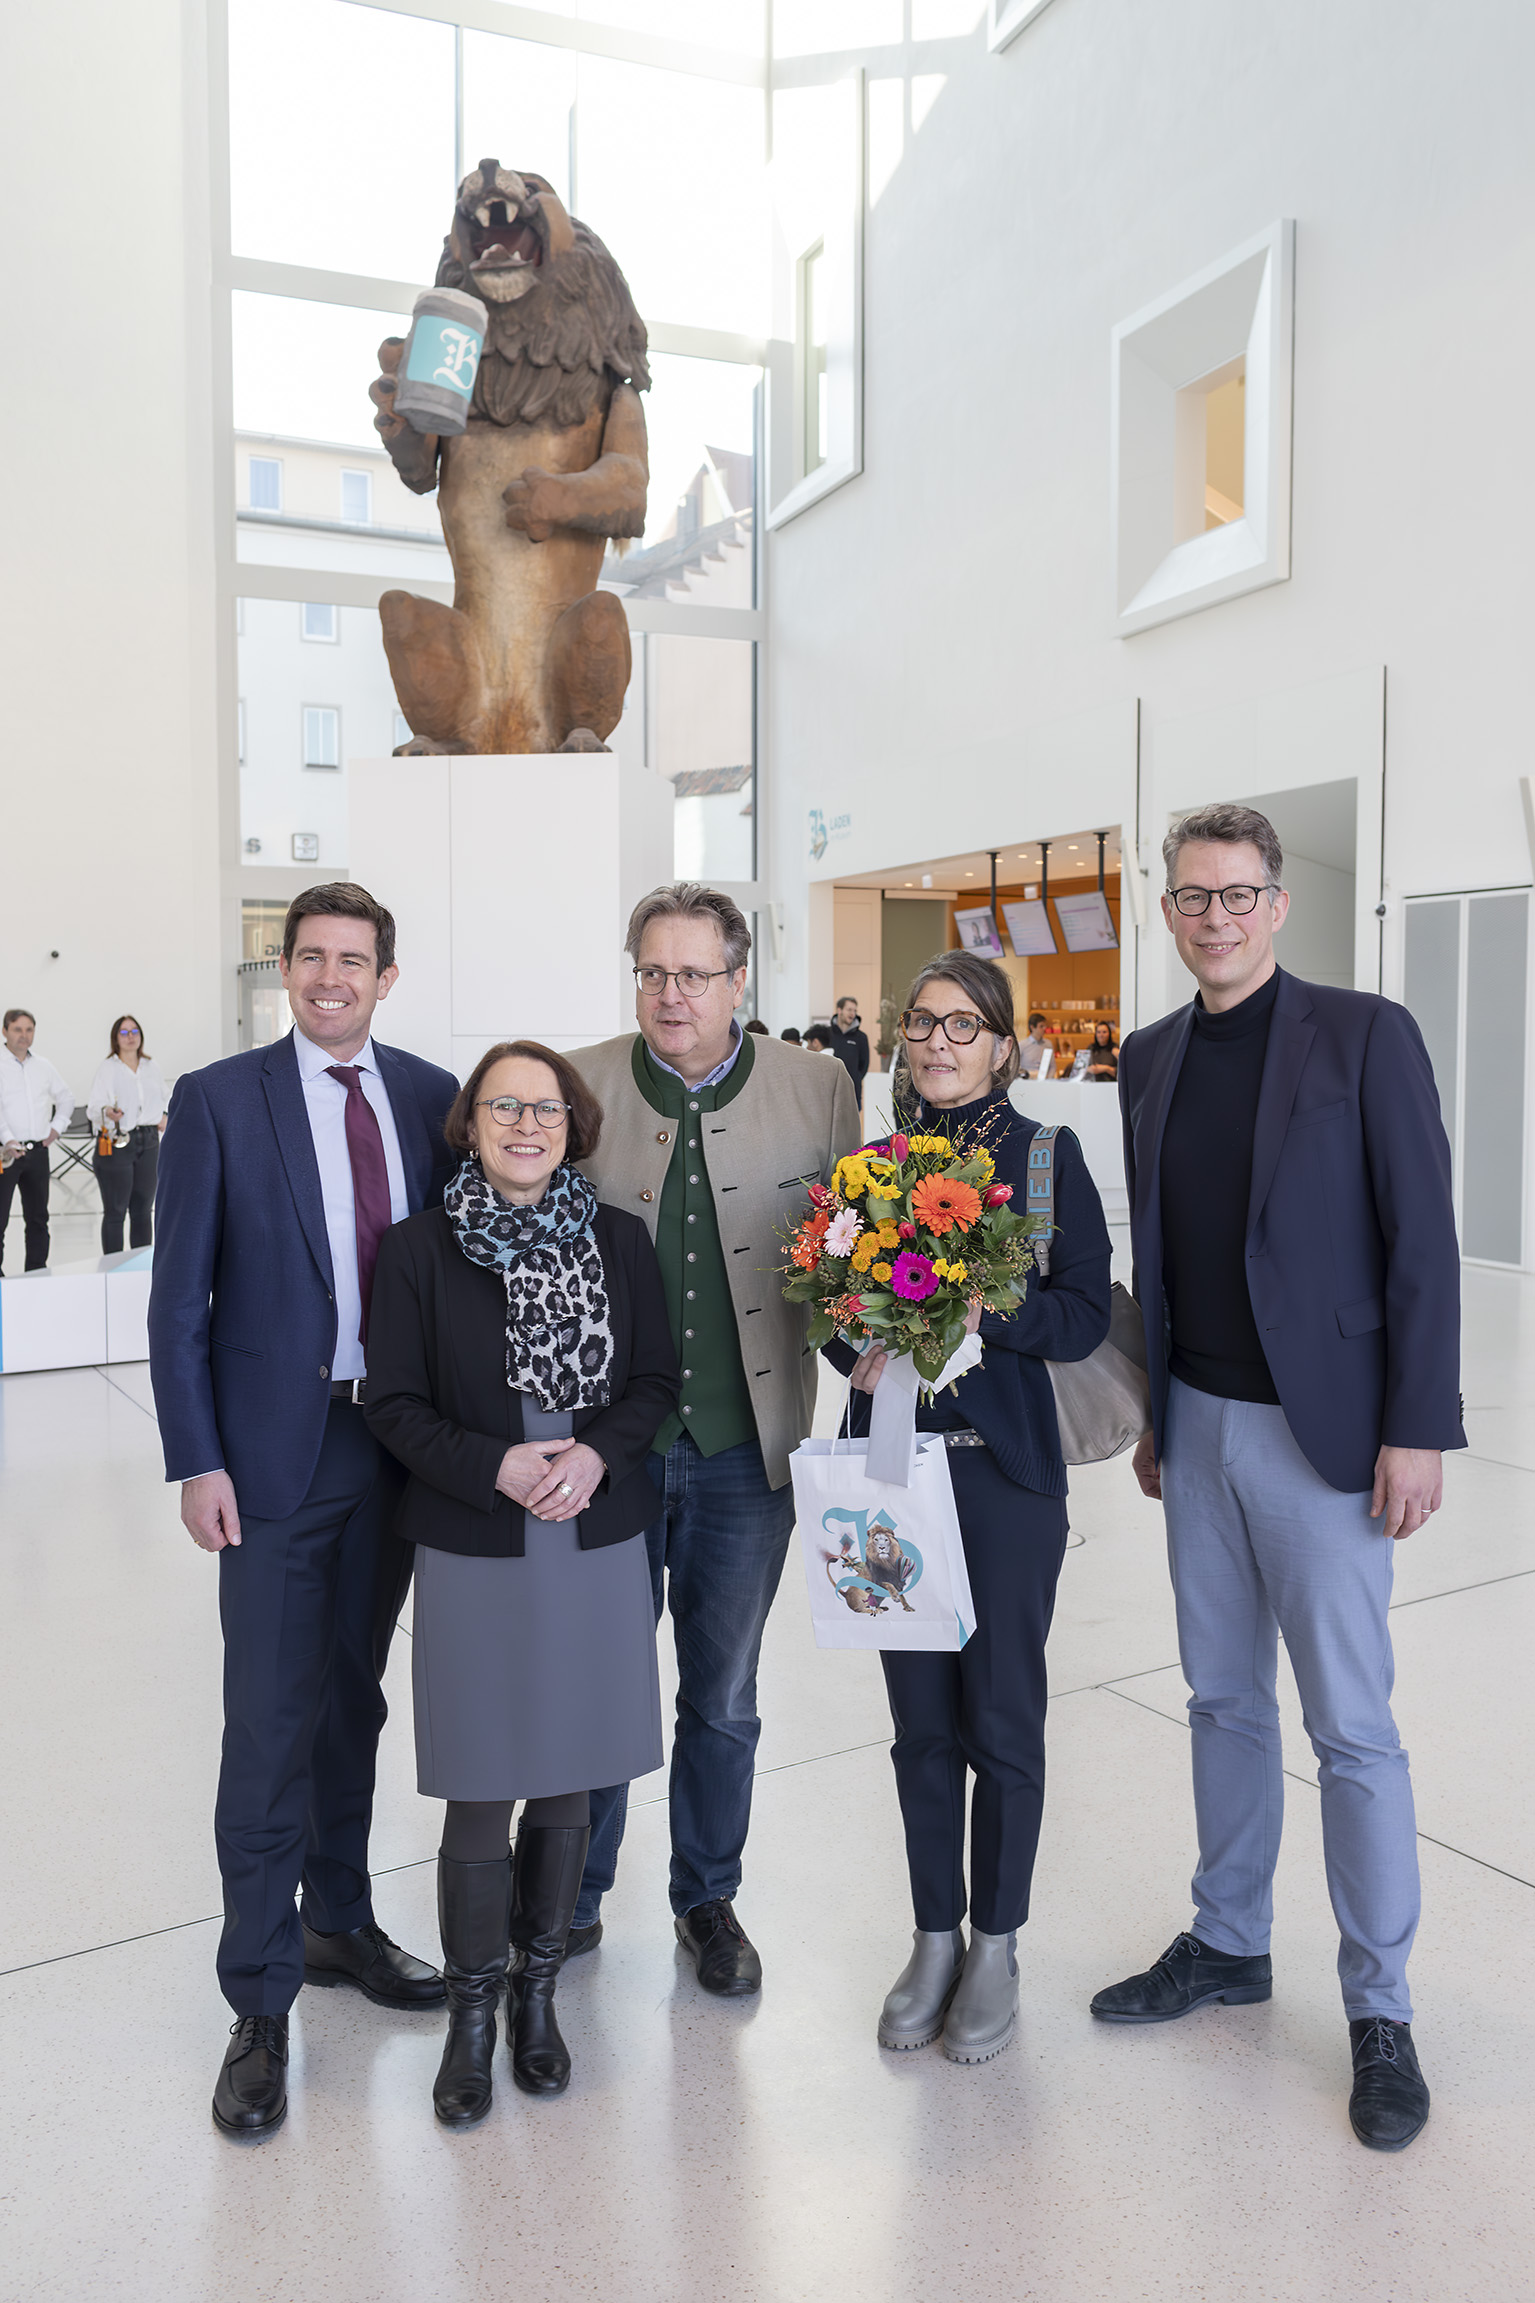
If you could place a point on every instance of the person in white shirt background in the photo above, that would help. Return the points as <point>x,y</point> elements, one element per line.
<point>35,1107</point>
<point>127,1106</point>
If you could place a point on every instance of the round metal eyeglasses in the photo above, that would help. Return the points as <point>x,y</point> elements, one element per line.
<point>507,1109</point>
<point>1237,901</point>
<point>959,1028</point>
<point>691,982</point>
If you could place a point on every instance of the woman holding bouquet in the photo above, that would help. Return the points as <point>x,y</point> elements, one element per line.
<point>982,1712</point>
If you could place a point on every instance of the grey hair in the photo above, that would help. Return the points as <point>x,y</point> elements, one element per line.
<point>691,900</point>
<point>1237,826</point>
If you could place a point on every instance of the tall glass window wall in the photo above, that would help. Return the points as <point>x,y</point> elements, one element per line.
<point>342,181</point>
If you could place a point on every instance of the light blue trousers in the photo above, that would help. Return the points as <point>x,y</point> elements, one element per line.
<point>1260,1546</point>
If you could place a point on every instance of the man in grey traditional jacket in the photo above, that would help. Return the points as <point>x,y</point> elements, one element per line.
<point>713,1136</point>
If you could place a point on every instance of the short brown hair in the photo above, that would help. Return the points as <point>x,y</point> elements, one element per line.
<point>585,1118</point>
<point>14,1015</point>
<point>127,1018</point>
<point>1238,827</point>
<point>690,899</point>
<point>988,987</point>
<point>340,900</point>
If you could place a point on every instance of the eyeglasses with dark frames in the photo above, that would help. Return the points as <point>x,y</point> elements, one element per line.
<point>959,1028</point>
<point>1237,901</point>
<point>691,982</point>
<point>509,1110</point>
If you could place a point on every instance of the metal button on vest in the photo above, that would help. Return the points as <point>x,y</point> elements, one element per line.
<point>325,1375</point>
<point>687,1332</point>
<point>692,1179</point>
<point>686,1373</point>
<point>663,1137</point>
<point>692,1107</point>
<point>692,1143</point>
<point>687,1411</point>
<point>692,1291</point>
<point>647,1195</point>
<point>692,1219</point>
<point>692,1258</point>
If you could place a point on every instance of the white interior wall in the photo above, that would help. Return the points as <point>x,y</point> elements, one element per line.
<point>933,618</point>
<point>113,782</point>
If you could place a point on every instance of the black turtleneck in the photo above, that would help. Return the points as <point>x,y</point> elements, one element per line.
<point>1207,1166</point>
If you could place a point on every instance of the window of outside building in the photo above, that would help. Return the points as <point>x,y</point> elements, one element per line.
<point>357,497</point>
<point>266,483</point>
<point>322,736</point>
<point>319,621</point>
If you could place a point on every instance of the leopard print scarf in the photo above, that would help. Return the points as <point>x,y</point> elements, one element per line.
<point>559,1346</point>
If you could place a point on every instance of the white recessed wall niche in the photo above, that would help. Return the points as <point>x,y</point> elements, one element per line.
<point>1005,19</point>
<point>1201,437</point>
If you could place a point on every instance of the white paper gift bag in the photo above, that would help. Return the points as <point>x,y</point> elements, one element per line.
<point>884,1565</point>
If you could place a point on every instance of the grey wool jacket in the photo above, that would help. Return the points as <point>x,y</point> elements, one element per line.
<point>793,1120</point>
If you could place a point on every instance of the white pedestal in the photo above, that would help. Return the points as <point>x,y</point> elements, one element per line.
<point>87,1314</point>
<point>511,879</point>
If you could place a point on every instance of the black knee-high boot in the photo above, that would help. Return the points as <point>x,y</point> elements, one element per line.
<point>473,1906</point>
<point>546,1878</point>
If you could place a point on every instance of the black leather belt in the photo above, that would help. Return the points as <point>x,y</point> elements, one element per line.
<point>354,1391</point>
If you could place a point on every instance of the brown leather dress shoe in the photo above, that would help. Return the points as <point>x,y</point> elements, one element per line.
<point>365,1958</point>
<point>250,2101</point>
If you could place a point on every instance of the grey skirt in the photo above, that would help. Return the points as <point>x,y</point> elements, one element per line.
<point>535,1676</point>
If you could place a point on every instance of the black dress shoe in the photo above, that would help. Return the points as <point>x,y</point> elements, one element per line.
<point>1188,1974</point>
<point>583,1939</point>
<point>720,1949</point>
<point>1389,2103</point>
<point>364,1956</point>
<point>250,2101</point>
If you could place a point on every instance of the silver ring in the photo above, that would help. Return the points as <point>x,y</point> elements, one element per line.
<point>566,1488</point>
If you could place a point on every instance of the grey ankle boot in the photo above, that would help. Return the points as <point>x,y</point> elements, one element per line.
<point>984,2012</point>
<point>912,2015</point>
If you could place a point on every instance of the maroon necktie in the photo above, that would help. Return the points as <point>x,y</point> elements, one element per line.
<point>371,1209</point>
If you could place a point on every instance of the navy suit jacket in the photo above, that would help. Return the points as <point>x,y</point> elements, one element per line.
<point>1353,1269</point>
<point>242,1314</point>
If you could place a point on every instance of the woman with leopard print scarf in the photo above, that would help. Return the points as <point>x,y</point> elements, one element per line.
<point>520,1363</point>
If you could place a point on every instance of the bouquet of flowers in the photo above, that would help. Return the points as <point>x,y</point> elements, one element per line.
<point>911,1233</point>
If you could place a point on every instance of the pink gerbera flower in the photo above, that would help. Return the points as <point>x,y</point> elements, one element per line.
<point>912,1276</point>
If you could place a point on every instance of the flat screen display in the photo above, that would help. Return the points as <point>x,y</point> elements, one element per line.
<point>1087,923</point>
<point>1029,926</point>
<point>978,932</point>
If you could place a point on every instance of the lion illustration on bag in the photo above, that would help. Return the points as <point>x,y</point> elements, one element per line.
<point>531,657</point>
<point>885,1571</point>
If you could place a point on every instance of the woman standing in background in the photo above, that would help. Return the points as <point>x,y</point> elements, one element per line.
<point>126,1109</point>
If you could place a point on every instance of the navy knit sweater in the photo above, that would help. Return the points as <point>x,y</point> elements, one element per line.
<point>1008,1398</point>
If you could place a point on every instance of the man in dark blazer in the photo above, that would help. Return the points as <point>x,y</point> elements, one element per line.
<point>850,1043</point>
<point>1297,1266</point>
<point>281,1170</point>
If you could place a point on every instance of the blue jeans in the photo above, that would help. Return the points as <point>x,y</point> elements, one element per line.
<point>1262,1548</point>
<point>721,1540</point>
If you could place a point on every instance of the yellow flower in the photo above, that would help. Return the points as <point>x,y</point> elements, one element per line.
<point>866,1250</point>
<point>940,1268</point>
<point>930,1144</point>
<point>882,1272</point>
<point>880,1167</point>
<point>955,1273</point>
<point>884,1191</point>
<point>986,1164</point>
<point>850,1177</point>
<point>888,1234</point>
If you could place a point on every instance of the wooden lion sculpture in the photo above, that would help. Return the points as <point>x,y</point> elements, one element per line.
<point>531,657</point>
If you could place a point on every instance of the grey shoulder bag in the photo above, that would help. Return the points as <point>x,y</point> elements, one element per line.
<point>1103,1403</point>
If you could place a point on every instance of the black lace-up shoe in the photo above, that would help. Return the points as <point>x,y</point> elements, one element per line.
<point>583,1939</point>
<point>364,1956</point>
<point>250,2101</point>
<point>1188,1975</point>
<point>720,1949</point>
<point>1389,2103</point>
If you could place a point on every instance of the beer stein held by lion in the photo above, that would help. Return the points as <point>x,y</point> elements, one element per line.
<point>548,462</point>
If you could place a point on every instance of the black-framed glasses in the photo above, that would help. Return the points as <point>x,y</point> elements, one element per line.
<point>1237,901</point>
<point>508,1110</point>
<point>691,982</point>
<point>960,1027</point>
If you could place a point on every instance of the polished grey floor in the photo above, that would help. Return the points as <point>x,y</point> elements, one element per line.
<point>767,2151</point>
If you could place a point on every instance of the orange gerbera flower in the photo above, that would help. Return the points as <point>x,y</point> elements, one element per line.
<point>942,1203</point>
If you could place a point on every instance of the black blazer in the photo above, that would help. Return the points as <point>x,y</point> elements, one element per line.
<point>438,1397</point>
<point>1352,1264</point>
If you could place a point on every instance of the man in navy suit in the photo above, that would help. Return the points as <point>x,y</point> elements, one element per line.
<point>281,1169</point>
<point>1297,1267</point>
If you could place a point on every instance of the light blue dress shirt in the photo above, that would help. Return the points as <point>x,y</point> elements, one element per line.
<point>325,1102</point>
